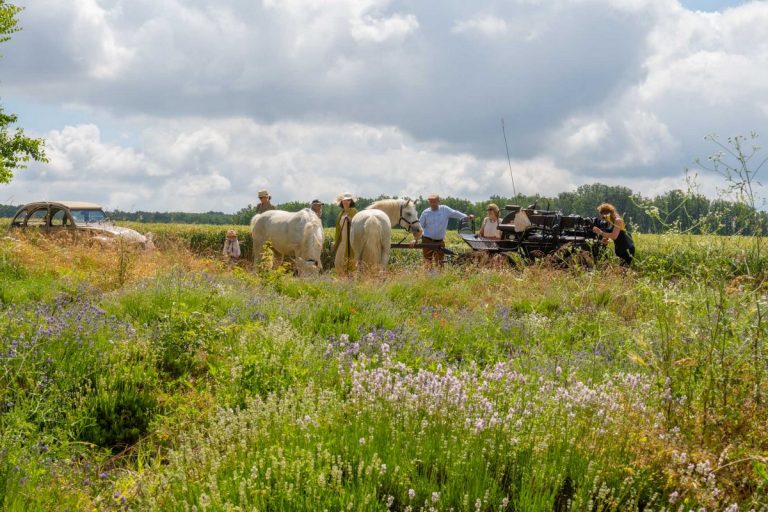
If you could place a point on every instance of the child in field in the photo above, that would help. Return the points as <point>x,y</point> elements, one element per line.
<point>231,248</point>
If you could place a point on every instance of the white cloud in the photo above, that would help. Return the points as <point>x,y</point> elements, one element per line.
<point>580,137</point>
<point>482,24</point>
<point>194,187</point>
<point>310,97</point>
<point>378,30</point>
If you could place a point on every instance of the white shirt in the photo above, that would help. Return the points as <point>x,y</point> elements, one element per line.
<point>490,228</point>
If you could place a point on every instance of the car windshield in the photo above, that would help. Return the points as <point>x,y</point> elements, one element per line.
<point>88,216</point>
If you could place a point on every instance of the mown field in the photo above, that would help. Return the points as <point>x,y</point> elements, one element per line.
<point>166,381</point>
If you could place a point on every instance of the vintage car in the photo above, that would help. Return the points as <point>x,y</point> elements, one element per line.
<point>78,221</point>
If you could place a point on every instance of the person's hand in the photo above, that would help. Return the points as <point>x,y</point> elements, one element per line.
<point>412,242</point>
<point>596,230</point>
<point>471,216</point>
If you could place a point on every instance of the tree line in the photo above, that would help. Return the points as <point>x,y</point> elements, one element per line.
<point>675,210</point>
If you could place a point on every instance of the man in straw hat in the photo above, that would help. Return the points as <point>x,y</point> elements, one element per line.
<point>434,222</point>
<point>264,202</point>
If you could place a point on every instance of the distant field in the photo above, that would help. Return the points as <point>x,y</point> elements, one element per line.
<point>673,254</point>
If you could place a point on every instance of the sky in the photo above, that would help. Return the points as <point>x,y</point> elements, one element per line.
<point>192,105</point>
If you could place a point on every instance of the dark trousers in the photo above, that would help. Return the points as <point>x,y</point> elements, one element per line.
<point>430,253</point>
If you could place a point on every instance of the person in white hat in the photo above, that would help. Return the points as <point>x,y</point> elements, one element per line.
<point>264,202</point>
<point>345,257</point>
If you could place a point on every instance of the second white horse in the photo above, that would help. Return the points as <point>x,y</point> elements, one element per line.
<point>371,230</point>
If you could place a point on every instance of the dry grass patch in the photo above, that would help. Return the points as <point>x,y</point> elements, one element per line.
<point>104,268</point>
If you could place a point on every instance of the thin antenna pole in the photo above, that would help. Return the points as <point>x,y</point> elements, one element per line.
<point>509,162</point>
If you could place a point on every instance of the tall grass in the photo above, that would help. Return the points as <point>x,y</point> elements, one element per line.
<point>173,383</point>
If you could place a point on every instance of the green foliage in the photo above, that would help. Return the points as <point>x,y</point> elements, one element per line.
<point>182,339</point>
<point>215,218</point>
<point>118,414</point>
<point>8,21</point>
<point>7,211</point>
<point>15,147</point>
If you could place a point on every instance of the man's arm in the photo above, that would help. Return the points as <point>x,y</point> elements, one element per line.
<point>455,214</point>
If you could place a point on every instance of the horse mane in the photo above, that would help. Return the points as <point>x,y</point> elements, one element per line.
<point>383,203</point>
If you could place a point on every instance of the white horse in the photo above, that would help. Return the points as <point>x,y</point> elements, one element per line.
<point>371,230</point>
<point>296,235</point>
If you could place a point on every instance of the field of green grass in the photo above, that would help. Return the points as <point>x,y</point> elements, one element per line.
<point>166,381</point>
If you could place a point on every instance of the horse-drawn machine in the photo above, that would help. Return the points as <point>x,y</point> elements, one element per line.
<point>533,233</point>
<point>530,233</point>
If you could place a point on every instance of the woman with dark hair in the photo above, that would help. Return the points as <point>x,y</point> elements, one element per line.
<point>623,245</point>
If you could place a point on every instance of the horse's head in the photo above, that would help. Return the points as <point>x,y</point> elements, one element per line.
<point>307,267</point>
<point>312,246</point>
<point>409,216</point>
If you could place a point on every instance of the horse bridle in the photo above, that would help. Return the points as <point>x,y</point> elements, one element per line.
<point>406,220</point>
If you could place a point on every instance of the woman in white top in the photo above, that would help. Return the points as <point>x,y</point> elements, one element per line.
<point>490,226</point>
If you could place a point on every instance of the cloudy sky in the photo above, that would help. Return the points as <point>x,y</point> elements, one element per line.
<point>193,105</point>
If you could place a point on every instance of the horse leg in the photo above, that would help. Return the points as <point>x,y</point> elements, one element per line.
<point>278,258</point>
<point>258,247</point>
<point>384,258</point>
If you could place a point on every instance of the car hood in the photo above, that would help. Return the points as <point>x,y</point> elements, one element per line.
<point>127,234</point>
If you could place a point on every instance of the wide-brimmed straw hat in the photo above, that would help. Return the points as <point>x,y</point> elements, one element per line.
<point>345,196</point>
<point>263,193</point>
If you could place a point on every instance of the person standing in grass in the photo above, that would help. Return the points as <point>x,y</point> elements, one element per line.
<point>623,245</point>
<point>345,257</point>
<point>434,222</point>
<point>317,206</point>
<point>490,226</point>
<point>231,248</point>
<point>265,203</point>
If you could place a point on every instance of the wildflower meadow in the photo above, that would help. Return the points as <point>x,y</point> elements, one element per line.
<point>170,381</point>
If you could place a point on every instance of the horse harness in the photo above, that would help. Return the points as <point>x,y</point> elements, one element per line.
<point>410,224</point>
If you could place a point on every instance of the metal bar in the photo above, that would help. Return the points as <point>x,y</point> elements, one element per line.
<point>437,247</point>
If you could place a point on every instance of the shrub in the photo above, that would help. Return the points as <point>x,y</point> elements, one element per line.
<point>118,414</point>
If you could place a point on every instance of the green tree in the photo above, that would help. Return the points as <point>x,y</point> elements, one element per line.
<point>15,147</point>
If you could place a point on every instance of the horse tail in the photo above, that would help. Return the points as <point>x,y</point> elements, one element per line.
<point>372,235</point>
